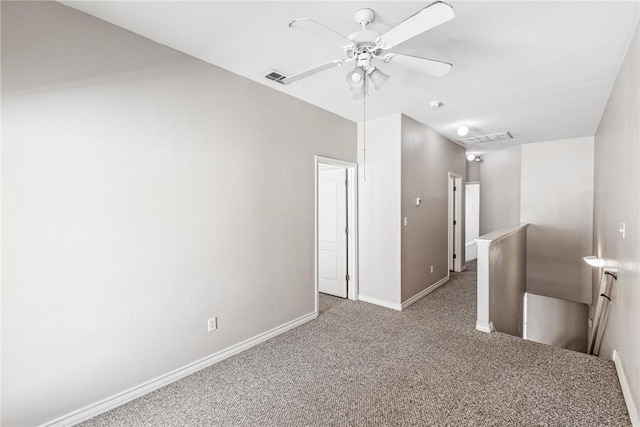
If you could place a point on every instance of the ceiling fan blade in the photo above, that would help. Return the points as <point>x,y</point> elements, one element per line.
<point>311,71</point>
<point>313,27</point>
<point>421,65</point>
<point>431,16</point>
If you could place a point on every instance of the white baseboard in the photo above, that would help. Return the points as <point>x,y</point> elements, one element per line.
<point>485,327</point>
<point>626,391</point>
<point>380,302</point>
<point>121,398</point>
<point>423,293</point>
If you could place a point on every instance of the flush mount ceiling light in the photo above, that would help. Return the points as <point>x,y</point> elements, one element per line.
<point>369,48</point>
<point>473,157</point>
<point>435,104</point>
<point>463,130</point>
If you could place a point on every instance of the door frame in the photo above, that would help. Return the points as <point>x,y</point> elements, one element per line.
<point>352,225</point>
<point>455,206</point>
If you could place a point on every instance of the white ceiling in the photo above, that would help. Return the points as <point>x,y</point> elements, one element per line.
<point>541,70</point>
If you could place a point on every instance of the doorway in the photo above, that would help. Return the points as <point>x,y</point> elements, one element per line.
<point>335,228</point>
<point>472,220</point>
<point>455,237</point>
<point>333,248</point>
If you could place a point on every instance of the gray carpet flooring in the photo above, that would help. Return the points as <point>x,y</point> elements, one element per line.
<point>363,365</point>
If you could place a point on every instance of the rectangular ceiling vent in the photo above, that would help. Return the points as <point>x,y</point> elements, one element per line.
<point>500,136</point>
<point>276,76</point>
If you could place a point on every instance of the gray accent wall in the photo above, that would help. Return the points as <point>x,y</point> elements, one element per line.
<point>617,200</point>
<point>143,191</point>
<point>427,158</point>
<point>507,281</point>
<point>473,171</point>
<point>500,183</point>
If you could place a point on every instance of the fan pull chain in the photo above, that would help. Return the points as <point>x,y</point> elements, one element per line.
<point>364,131</point>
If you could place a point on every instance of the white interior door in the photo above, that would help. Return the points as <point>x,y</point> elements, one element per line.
<point>332,230</point>
<point>455,222</point>
<point>472,220</point>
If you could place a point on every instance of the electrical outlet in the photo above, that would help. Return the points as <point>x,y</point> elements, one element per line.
<point>405,221</point>
<point>432,269</point>
<point>623,230</point>
<point>212,324</point>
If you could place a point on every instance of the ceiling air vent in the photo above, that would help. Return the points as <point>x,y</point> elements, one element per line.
<point>276,76</point>
<point>500,136</point>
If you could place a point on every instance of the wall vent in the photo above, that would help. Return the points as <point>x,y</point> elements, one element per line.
<point>276,76</point>
<point>500,136</point>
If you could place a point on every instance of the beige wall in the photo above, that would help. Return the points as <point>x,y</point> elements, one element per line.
<point>557,322</point>
<point>548,185</point>
<point>143,191</point>
<point>616,200</point>
<point>557,203</point>
<point>500,184</point>
<point>427,158</point>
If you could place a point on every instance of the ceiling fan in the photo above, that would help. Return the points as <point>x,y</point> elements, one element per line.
<point>367,47</point>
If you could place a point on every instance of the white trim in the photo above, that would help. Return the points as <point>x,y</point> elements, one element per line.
<point>423,293</point>
<point>121,398</point>
<point>525,304</point>
<point>316,287</point>
<point>496,236</point>
<point>626,390</point>
<point>380,302</point>
<point>485,327</point>
<point>352,225</point>
<point>482,294</point>
<point>352,238</point>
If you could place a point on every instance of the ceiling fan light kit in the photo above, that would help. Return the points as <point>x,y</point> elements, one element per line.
<point>355,76</point>
<point>378,78</point>
<point>368,47</point>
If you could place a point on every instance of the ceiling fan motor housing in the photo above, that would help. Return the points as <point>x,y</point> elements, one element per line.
<point>364,41</point>
<point>364,60</point>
